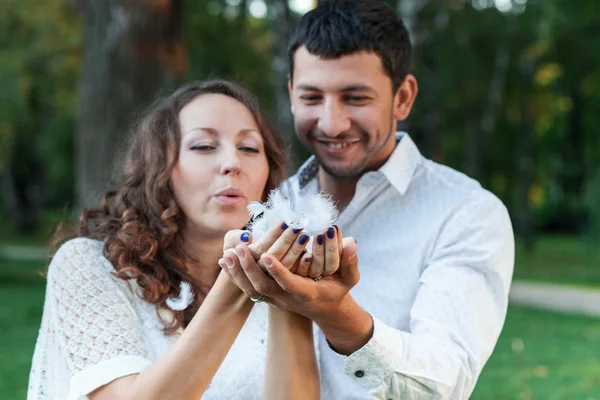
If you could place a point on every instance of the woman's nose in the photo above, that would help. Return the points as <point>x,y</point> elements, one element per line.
<point>230,162</point>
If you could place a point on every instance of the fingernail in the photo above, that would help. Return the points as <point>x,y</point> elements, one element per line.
<point>320,239</point>
<point>222,263</point>
<point>307,259</point>
<point>229,262</point>
<point>330,232</point>
<point>240,253</point>
<point>267,262</point>
<point>245,237</point>
<point>303,239</point>
<point>297,230</point>
<point>284,226</point>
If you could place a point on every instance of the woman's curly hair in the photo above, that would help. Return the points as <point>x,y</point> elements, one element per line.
<point>140,222</point>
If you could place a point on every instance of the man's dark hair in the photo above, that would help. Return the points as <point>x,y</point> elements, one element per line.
<point>338,28</point>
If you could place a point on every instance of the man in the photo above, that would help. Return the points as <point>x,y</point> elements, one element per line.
<point>436,250</point>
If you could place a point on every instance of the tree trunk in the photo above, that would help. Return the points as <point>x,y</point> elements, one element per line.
<point>525,160</point>
<point>280,15</point>
<point>131,50</point>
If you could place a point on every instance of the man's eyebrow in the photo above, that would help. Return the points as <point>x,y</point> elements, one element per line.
<point>311,88</point>
<point>357,88</point>
<point>351,88</point>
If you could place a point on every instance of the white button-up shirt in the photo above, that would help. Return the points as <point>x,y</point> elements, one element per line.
<point>436,256</point>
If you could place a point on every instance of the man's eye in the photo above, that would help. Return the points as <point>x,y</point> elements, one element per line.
<point>358,99</point>
<point>310,98</point>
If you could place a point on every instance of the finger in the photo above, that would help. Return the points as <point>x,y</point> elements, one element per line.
<point>349,272</point>
<point>304,264</point>
<point>256,276</point>
<point>339,237</point>
<point>332,253</point>
<point>239,276</point>
<point>225,269</point>
<point>285,243</point>
<point>267,240</point>
<point>287,281</point>
<point>318,259</point>
<point>235,237</point>
<point>298,261</point>
<point>290,259</point>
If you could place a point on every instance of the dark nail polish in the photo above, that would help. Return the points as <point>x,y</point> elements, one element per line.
<point>297,230</point>
<point>303,239</point>
<point>245,237</point>
<point>303,253</point>
<point>320,239</point>
<point>307,259</point>
<point>337,228</point>
<point>284,226</point>
<point>355,241</point>
<point>330,233</point>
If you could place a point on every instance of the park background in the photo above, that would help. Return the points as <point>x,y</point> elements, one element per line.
<point>509,94</point>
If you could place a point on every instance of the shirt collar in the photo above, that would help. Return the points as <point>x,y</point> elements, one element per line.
<point>398,169</point>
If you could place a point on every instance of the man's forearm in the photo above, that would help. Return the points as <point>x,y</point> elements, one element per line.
<point>348,328</point>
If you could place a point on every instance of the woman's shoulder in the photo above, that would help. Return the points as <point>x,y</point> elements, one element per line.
<point>81,256</point>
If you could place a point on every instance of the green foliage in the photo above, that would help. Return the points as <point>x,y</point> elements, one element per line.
<point>546,116</point>
<point>38,76</point>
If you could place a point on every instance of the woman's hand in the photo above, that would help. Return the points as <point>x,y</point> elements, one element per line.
<point>326,254</point>
<point>287,245</point>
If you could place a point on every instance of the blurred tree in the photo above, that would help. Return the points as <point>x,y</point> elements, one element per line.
<point>131,51</point>
<point>40,43</point>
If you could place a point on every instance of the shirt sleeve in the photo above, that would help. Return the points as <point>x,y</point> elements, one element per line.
<point>96,327</point>
<point>457,315</point>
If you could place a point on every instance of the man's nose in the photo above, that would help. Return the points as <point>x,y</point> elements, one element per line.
<point>334,119</point>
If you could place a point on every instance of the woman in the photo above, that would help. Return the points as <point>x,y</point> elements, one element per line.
<point>107,332</point>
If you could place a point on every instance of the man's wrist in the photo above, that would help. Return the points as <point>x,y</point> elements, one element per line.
<point>347,328</point>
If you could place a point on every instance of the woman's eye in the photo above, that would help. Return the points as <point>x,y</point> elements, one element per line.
<point>248,149</point>
<point>202,147</point>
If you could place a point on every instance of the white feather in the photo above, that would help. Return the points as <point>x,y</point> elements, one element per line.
<point>314,212</point>
<point>185,298</point>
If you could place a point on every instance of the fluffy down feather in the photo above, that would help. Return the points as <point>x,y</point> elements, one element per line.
<point>313,211</point>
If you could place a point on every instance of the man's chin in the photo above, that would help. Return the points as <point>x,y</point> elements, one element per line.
<point>343,170</point>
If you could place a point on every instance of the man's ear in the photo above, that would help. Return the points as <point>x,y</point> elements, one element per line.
<point>291,94</point>
<point>405,97</point>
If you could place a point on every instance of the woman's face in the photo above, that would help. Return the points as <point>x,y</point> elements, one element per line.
<point>222,164</point>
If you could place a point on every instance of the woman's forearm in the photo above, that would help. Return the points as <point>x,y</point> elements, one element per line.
<point>187,368</point>
<point>291,371</point>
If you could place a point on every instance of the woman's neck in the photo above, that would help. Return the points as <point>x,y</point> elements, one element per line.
<point>206,252</point>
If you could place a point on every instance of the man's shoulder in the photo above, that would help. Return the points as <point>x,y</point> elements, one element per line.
<point>448,179</point>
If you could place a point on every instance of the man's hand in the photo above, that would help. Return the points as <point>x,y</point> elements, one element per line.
<point>327,302</point>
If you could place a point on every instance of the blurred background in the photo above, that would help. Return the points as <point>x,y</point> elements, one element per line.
<point>509,94</point>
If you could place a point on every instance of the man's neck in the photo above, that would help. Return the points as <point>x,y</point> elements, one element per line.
<point>340,190</point>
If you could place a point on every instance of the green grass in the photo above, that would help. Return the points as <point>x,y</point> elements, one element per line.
<point>540,355</point>
<point>568,260</point>
<point>543,355</point>
<point>20,316</point>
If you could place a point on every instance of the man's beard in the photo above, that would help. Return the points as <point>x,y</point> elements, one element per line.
<point>355,168</point>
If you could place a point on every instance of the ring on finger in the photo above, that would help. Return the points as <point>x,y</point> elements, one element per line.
<point>318,278</point>
<point>259,299</point>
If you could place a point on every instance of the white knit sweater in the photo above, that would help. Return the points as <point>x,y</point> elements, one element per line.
<point>95,329</point>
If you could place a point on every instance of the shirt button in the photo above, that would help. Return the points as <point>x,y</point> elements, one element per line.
<point>359,374</point>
